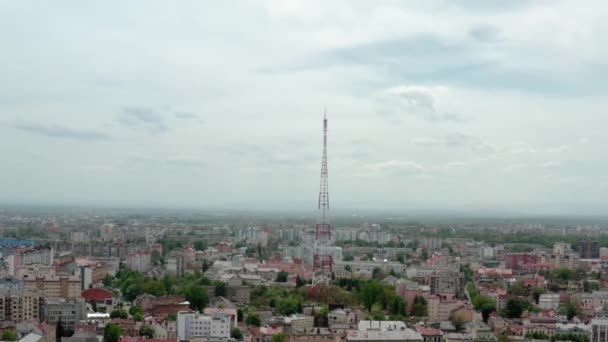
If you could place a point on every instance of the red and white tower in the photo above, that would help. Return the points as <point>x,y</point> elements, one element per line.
<point>322,259</point>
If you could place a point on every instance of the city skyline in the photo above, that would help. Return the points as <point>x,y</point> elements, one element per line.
<point>467,106</point>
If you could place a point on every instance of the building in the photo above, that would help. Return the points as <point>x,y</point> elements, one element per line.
<point>224,247</point>
<point>79,236</point>
<point>599,327</point>
<point>68,312</point>
<point>369,266</point>
<point>548,301</point>
<point>176,265</point>
<point>10,284</point>
<point>442,282</point>
<point>140,262</point>
<point>22,306</point>
<point>161,306</point>
<point>383,331</point>
<point>55,286</point>
<point>519,261</point>
<point>589,249</point>
<point>194,325</point>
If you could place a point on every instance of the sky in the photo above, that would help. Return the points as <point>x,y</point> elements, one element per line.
<point>432,105</point>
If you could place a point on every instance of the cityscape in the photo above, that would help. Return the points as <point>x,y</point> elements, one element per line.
<point>304,171</point>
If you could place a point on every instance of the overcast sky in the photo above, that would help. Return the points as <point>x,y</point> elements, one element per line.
<point>446,105</point>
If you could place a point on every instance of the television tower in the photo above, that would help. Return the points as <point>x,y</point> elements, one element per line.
<point>322,259</point>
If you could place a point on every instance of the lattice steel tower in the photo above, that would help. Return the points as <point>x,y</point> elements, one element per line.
<point>322,260</point>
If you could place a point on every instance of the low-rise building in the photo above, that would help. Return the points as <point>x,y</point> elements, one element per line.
<point>68,312</point>
<point>194,325</point>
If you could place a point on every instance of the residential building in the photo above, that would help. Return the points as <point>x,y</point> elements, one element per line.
<point>140,262</point>
<point>69,312</point>
<point>383,331</point>
<point>194,325</point>
<point>548,301</point>
<point>599,327</point>
<point>589,249</point>
<point>19,306</point>
<point>55,286</point>
<point>175,264</point>
<point>447,282</point>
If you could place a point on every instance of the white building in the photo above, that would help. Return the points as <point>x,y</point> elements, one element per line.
<point>368,266</point>
<point>306,252</point>
<point>69,312</point>
<point>382,331</point>
<point>194,325</point>
<point>599,327</point>
<point>548,301</point>
<point>140,262</point>
<point>486,252</point>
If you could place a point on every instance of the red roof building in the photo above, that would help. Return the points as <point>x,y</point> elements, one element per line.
<point>96,295</point>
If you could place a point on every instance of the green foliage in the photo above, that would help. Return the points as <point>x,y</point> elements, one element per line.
<point>253,319</point>
<point>146,331</point>
<point>299,281</point>
<point>239,315</point>
<point>280,337</point>
<point>348,258</point>
<point>112,333</point>
<point>347,268</point>
<point>289,306</point>
<point>155,288</point>
<point>537,336</point>
<point>481,301</point>
<point>377,273</point>
<point>519,288</point>
<point>401,257</point>
<point>108,281</point>
<point>536,292</point>
<point>134,309</point>
<point>515,307</point>
<point>569,309</point>
<point>9,335</point>
<point>371,292</point>
<point>197,296</point>
<point>572,337</point>
<point>119,313</point>
<point>457,322</point>
<point>419,308</point>
<point>220,289</point>
<point>172,317</point>
<point>200,245</point>
<point>138,317</point>
<point>236,333</point>
<point>282,277</point>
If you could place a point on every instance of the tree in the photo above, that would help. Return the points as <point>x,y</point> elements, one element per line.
<point>236,333</point>
<point>288,306</point>
<point>146,331</point>
<point>377,273</point>
<point>112,333</point>
<point>518,289</point>
<point>486,310</point>
<point>419,308</point>
<point>9,335</point>
<point>119,313</point>
<point>239,315</point>
<point>220,289</point>
<point>514,308</point>
<point>457,322</point>
<point>134,309</point>
<point>401,257</point>
<point>347,268</point>
<point>138,317</point>
<point>424,255</point>
<point>299,281</point>
<point>480,300</point>
<point>59,331</point>
<point>108,281</point>
<point>205,265</point>
<point>348,258</point>
<point>280,337</point>
<point>253,319</point>
<point>371,293</point>
<point>197,296</point>
<point>569,309</point>
<point>155,288</point>
<point>200,245</point>
<point>536,292</point>
<point>282,277</point>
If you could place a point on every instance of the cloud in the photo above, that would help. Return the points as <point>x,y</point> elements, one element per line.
<point>420,101</point>
<point>186,116</point>
<point>143,117</point>
<point>455,140</point>
<point>404,166</point>
<point>55,131</point>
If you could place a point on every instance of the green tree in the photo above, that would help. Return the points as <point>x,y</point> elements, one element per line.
<point>299,281</point>
<point>236,333</point>
<point>518,289</point>
<point>480,300</point>
<point>514,308</point>
<point>348,258</point>
<point>253,319</point>
<point>347,268</point>
<point>419,308</point>
<point>220,289</point>
<point>138,317</point>
<point>282,277</point>
<point>112,333</point>
<point>486,310</point>
<point>9,335</point>
<point>108,281</point>
<point>239,315</point>
<point>288,306</point>
<point>457,322</point>
<point>200,245</point>
<point>424,255</point>
<point>569,309</point>
<point>377,273</point>
<point>401,257</point>
<point>134,309</point>
<point>146,331</point>
<point>280,337</point>
<point>155,288</point>
<point>197,296</point>
<point>371,293</point>
<point>536,292</point>
<point>119,313</point>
